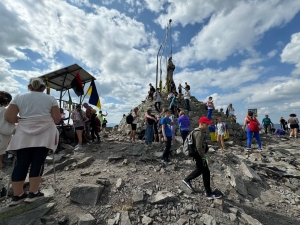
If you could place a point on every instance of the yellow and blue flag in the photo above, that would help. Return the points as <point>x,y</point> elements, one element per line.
<point>94,97</point>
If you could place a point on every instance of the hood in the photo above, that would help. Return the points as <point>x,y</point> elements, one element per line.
<point>37,125</point>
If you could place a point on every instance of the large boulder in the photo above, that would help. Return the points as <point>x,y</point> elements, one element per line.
<point>86,194</point>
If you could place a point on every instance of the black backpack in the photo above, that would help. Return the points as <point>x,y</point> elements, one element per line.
<point>129,119</point>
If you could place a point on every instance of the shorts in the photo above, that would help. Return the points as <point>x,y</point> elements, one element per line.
<point>79,128</point>
<point>104,125</point>
<point>294,126</point>
<point>155,130</point>
<point>133,126</point>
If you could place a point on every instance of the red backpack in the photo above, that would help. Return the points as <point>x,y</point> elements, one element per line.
<point>253,124</point>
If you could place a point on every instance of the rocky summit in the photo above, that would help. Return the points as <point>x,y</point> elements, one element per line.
<point>115,183</point>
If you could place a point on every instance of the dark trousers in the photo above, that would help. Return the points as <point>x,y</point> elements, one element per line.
<point>187,104</point>
<point>33,157</point>
<point>157,106</point>
<point>184,134</point>
<point>266,127</point>
<point>94,131</point>
<point>167,148</point>
<point>200,169</point>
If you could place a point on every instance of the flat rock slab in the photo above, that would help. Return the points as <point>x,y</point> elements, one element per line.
<point>236,181</point>
<point>249,172</point>
<point>137,196</point>
<point>249,219</point>
<point>87,161</point>
<point>86,194</point>
<point>208,220</point>
<point>115,157</point>
<point>125,220</point>
<point>137,150</point>
<point>29,217</point>
<point>61,166</point>
<point>163,197</point>
<point>86,219</point>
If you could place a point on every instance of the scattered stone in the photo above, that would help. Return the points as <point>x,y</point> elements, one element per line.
<point>208,219</point>
<point>61,166</point>
<point>125,218</point>
<point>125,162</point>
<point>146,220</point>
<point>219,204</point>
<point>120,183</point>
<point>86,194</point>
<point>115,157</point>
<point>137,196</point>
<point>86,219</point>
<point>232,217</point>
<point>103,181</point>
<point>249,219</point>
<point>57,158</point>
<point>249,172</point>
<point>85,162</point>
<point>236,180</point>
<point>163,197</point>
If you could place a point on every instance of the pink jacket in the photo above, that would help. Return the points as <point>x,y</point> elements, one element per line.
<point>34,132</point>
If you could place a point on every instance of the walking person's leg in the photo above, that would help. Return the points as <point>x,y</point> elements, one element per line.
<point>209,114</point>
<point>159,105</point>
<point>222,142</point>
<point>266,128</point>
<point>206,177</point>
<point>184,134</point>
<point>79,136</point>
<point>155,105</point>
<point>257,137</point>
<point>167,149</point>
<point>219,140</point>
<point>188,105</point>
<point>249,138</point>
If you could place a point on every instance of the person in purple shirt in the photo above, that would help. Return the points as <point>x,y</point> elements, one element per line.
<point>184,125</point>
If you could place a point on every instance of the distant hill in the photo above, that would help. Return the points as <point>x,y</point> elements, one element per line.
<point>111,124</point>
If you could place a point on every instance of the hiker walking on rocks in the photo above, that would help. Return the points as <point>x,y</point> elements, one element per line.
<point>179,91</point>
<point>101,118</point>
<point>158,100</point>
<point>294,125</point>
<point>167,135</point>
<point>174,105</point>
<point>187,97</point>
<point>104,124</point>
<point>210,107</point>
<point>198,137</point>
<point>186,86</point>
<point>184,125</point>
<point>36,114</point>
<point>251,126</point>
<point>220,132</point>
<point>151,92</point>
<point>88,114</point>
<point>6,128</point>
<point>267,123</point>
<point>150,120</point>
<point>79,119</point>
<point>174,125</point>
<point>283,123</point>
<point>135,116</point>
<point>94,121</point>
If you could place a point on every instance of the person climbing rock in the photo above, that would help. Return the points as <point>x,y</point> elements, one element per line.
<point>210,107</point>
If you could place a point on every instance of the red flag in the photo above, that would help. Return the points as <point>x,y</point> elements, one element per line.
<point>77,86</point>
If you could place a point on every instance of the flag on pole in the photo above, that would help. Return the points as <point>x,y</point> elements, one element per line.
<point>76,84</point>
<point>94,97</point>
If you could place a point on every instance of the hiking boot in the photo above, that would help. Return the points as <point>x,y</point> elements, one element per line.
<point>32,197</point>
<point>188,184</point>
<point>16,200</point>
<point>213,195</point>
<point>168,161</point>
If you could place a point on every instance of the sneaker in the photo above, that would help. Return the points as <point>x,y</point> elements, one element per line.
<point>188,184</point>
<point>290,136</point>
<point>248,149</point>
<point>213,195</point>
<point>16,200</point>
<point>32,197</point>
<point>258,150</point>
<point>78,148</point>
<point>168,161</point>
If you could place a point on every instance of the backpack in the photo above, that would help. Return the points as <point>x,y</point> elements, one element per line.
<point>189,148</point>
<point>253,125</point>
<point>129,119</point>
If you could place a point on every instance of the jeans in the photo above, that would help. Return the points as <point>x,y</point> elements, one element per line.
<point>157,106</point>
<point>184,134</point>
<point>167,148</point>
<point>209,113</point>
<point>187,104</point>
<point>200,169</point>
<point>149,134</point>
<point>249,138</point>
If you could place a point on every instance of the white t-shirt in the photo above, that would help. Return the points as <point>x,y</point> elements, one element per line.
<point>187,95</point>
<point>134,115</point>
<point>34,104</point>
<point>158,97</point>
<point>231,111</point>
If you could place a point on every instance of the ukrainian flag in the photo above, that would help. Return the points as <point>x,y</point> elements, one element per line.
<point>94,97</point>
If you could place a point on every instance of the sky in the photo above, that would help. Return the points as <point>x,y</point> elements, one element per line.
<point>244,52</point>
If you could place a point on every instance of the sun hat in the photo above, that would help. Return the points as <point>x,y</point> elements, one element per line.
<point>37,78</point>
<point>204,119</point>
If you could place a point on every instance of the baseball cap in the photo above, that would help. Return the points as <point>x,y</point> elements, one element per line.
<point>204,119</point>
<point>37,78</point>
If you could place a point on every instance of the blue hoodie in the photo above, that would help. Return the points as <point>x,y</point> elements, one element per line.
<point>184,122</point>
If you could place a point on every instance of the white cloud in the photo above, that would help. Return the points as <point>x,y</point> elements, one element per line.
<point>155,5</point>
<point>272,53</point>
<point>235,30</point>
<point>291,53</point>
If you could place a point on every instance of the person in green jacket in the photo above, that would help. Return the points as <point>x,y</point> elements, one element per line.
<point>267,123</point>
<point>101,118</point>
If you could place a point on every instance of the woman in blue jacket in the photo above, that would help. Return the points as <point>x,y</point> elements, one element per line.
<point>184,125</point>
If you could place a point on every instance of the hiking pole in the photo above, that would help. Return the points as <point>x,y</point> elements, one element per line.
<point>54,171</point>
<point>8,184</point>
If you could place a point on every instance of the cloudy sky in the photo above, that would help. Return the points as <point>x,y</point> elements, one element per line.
<point>245,52</point>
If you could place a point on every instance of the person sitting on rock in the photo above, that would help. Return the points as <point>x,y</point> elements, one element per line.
<point>283,123</point>
<point>267,123</point>
<point>201,162</point>
<point>220,132</point>
<point>184,125</point>
<point>32,142</point>
<point>6,128</point>
<point>294,125</point>
<point>251,126</point>
<point>210,107</point>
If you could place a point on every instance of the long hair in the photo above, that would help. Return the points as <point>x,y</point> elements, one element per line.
<point>79,110</point>
<point>5,98</point>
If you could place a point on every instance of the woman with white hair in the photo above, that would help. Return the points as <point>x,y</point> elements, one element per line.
<point>35,135</point>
